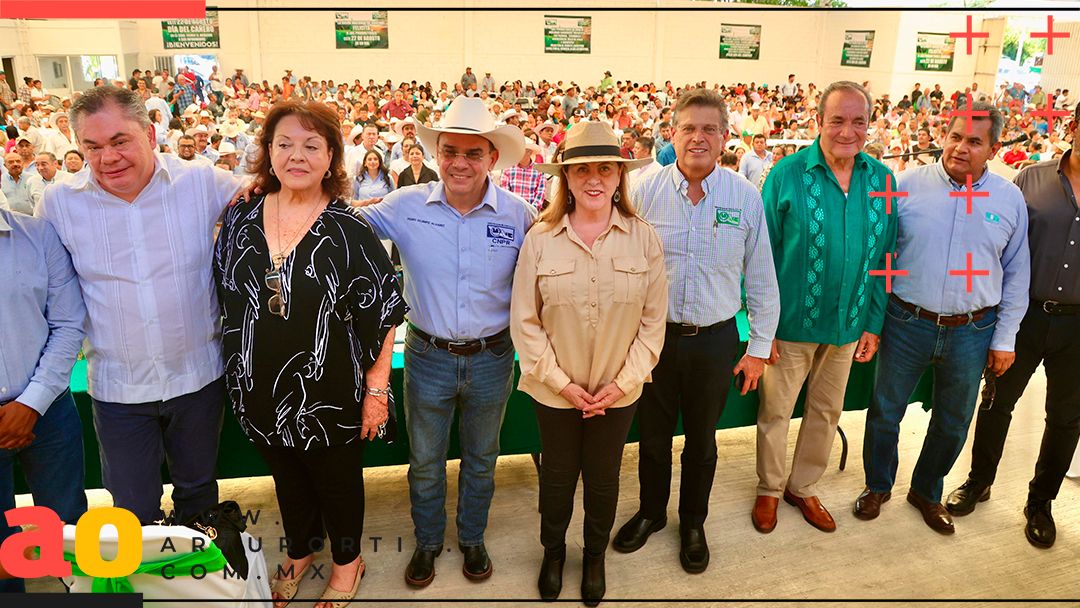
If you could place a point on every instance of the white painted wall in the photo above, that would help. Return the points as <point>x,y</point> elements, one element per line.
<point>636,45</point>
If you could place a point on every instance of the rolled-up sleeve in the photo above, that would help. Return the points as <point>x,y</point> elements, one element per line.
<point>66,316</point>
<point>536,355</point>
<point>645,351</point>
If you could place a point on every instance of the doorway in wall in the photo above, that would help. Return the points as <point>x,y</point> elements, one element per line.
<point>9,72</point>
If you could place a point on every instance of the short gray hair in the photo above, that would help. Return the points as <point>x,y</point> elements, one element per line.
<point>847,86</point>
<point>706,98</point>
<point>51,156</point>
<point>997,121</point>
<point>98,98</point>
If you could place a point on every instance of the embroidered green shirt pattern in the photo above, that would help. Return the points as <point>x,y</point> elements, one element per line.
<point>824,245</point>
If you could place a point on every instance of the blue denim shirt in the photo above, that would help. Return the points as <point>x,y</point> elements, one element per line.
<point>41,312</point>
<point>458,269</point>
<point>935,235</point>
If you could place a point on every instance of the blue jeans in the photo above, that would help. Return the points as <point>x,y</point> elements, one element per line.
<point>134,439</point>
<point>53,467</point>
<point>437,383</point>
<point>908,345</point>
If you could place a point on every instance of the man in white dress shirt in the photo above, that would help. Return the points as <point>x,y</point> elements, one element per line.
<point>139,227</point>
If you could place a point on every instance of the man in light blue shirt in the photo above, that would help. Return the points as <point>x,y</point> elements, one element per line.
<point>957,309</point>
<point>15,184</point>
<point>459,240</point>
<point>712,225</point>
<point>754,162</point>
<point>41,332</point>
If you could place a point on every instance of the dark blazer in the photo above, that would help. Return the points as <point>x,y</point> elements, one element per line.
<point>427,174</point>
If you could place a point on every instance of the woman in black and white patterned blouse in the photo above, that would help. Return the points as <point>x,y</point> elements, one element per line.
<point>310,303</point>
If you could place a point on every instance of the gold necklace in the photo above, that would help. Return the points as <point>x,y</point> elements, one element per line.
<point>279,257</point>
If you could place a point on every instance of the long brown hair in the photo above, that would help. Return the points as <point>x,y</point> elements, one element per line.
<point>317,117</point>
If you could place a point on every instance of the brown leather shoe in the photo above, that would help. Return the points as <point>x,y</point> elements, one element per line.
<point>868,504</point>
<point>933,513</point>
<point>813,511</point>
<point>764,513</point>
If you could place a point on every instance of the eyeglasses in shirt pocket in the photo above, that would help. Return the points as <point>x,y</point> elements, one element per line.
<point>555,278</point>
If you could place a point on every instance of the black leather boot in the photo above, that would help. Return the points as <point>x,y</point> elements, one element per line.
<point>421,569</point>
<point>593,582</point>
<point>550,581</point>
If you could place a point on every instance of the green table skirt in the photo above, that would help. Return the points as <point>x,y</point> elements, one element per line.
<point>237,457</point>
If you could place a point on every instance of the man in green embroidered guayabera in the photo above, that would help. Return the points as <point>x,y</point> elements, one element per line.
<point>828,231</point>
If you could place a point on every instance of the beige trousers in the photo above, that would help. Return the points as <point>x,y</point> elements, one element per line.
<point>827,367</point>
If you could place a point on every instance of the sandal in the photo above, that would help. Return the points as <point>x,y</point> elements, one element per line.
<point>287,588</point>
<point>341,599</point>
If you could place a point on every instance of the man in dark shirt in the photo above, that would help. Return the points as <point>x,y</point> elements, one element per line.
<point>1049,334</point>
<point>937,93</point>
<point>916,93</point>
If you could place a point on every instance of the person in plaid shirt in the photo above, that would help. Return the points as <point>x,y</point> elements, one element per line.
<point>24,90</point>
<point>524,180</point>
<point>183,95</point>
<point>7,96</point>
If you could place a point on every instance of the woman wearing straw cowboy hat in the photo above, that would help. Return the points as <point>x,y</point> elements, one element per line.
<point>588,318</point>
<point>459,240</point>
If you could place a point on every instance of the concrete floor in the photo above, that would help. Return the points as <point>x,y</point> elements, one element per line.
<point>894,557</point>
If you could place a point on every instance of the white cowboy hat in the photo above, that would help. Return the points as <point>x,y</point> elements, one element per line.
<point>198,129</point>
<point>230,129</point>
<point>57,116</point>
<point>356,131</point>
<point>226,148</point>
<point>510,113</point>
<point>468,116</point>
<point>398,125</point>
<point>546,125</point>
<point>591,142</point>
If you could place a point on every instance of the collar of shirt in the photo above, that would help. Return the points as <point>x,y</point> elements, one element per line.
<point>816,158</point>
<point>615,221</point>
<point>438,195</point>
<point>939,168</point>
<point>1062,162</point>
<point>707,185</point>
<point>84,179</point>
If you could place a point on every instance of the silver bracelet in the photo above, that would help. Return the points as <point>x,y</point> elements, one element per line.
<point>377,391</point>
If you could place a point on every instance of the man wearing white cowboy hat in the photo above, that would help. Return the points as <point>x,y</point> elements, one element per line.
<point>227,151</point>
<point>546,132</point>
<point>62,139</point>
<point>202,141</point>
<point>459,239</point>
<point>513,117</point>
<point>405,128</point>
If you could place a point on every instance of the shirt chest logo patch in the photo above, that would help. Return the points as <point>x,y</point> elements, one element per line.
<point>728,216</point>
<point>501,234</point>
<point>990,217</point>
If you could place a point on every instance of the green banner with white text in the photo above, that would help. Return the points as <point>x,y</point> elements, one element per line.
<point>361,30</point>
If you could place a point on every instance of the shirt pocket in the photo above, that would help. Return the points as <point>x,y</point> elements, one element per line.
<point>629,278</point>
<point>555,278</point>
<point>500,267</point>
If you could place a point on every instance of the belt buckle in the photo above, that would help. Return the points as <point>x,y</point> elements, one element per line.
<point>1048,303</point>
<point>451,346</point>
<point>696,328</point>
<point>937,321</point>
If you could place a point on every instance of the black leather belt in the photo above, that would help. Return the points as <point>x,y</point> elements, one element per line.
<point>685,329</point>
<point>1051,307</point>
<point>461,348</point>
<point>940,319</point>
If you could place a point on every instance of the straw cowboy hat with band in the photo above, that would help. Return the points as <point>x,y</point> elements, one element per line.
<point>469,116</point>
<point>591,142</point>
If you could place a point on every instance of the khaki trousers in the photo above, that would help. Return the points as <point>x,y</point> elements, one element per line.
<point>827,367</point>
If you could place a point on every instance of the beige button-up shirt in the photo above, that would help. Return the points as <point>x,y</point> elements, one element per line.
<point>591,317</point>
